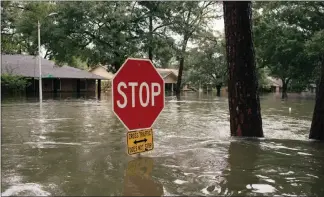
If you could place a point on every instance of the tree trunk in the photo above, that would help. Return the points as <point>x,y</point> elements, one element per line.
<point>244,101</point>
<point>181,64</point>
<point>150,47</point>
<point>317,128</point>
<point>117,63</point>
<point>116,66</point>
<point>317,88</point>
<point>178,88</point>
<point>284,94</point>
<point>218,88</point>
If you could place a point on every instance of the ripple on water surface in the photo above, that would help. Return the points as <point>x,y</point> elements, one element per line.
<point>78,146</point>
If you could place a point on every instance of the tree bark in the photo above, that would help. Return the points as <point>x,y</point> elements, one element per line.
<point>317,88</point>
<point>178,88</point>
<point>116,65</point>
<point>284,88</point>
<point>317,127</point>
<point>218,88</point>
<point>150,47</point>
<point>181,64</point>
<point>243,97</point>
<point>118,62</point>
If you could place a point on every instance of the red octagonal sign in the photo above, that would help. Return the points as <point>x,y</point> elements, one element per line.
<point>138,94</point>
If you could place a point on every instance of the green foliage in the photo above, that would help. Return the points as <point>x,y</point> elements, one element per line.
<point>315,50</point>
<point>74,61</point>
<point>102,32</point>
<point>154,22</point>
<point>288,35</point>
<point>190,19</point>
<point>206,63</point>
<point>280,39</point>
<point>13,83</point>
<point>11,43</point>
<point>262,74</point>
<point>23,23</point>
<point>298,85</point>
<point>163,52</point>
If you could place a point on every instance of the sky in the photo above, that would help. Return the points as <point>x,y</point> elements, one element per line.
<point>219,25</point>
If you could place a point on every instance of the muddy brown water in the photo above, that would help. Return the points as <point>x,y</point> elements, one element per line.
<point>77,147</point>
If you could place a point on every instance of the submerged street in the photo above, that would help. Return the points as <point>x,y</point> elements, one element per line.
<point>77,147</point>
<point>160,98</point>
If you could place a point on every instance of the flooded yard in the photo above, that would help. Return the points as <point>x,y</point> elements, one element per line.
<point>78,147</point>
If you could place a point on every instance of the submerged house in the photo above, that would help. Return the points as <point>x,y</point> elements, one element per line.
<point>102,71</point>
<point>275,84</point>
<point>54,78</point>
<point>108,76</point>
<point>170,77</point>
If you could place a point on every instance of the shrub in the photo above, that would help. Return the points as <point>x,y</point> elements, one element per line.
<point>14,83</point>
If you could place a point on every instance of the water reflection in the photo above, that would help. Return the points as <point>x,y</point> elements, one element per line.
<point>240,176</point>
<point>270,167</point>
<point>138,179</point>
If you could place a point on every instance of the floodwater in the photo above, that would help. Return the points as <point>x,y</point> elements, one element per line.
<point>77,147</point>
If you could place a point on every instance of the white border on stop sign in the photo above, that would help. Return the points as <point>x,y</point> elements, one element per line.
<point>112,92</point>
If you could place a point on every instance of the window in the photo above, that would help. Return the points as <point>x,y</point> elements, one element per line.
<point>57,85</point>
<point>83,84</point>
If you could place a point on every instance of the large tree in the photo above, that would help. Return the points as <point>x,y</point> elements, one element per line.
<point>90,32</point>
<point>107,31</point>
<point>280,48</point>
<point>306,18</point>
<point>282,51</point>
<point>316,50</point>
<point>155,24</point>
<point>243,98</point>
<point>10,42</point>
<point>206,63</point>
<point>95,32</point>
<point>188,18</point>
<point>17,18</point>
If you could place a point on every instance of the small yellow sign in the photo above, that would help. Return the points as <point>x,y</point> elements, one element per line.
<point>139,141</point>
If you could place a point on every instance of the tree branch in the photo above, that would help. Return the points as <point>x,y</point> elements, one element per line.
<point>96,38</point>
<point>162,25</point>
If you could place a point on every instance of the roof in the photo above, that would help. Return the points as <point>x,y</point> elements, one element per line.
<point>102,71</point>
<point>27,66</point>
<point>274,81</point>
<point>163,71</point>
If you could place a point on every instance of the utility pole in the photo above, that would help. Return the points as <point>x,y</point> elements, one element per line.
<point>39,67</point>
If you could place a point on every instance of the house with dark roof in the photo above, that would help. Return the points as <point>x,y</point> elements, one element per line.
<point>54,78</point>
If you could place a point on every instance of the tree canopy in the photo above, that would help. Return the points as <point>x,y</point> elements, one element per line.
<point>283,35</point>
<point>287,36</point>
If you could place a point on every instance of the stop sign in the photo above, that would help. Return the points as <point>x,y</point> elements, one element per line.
<point>137,94</point>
